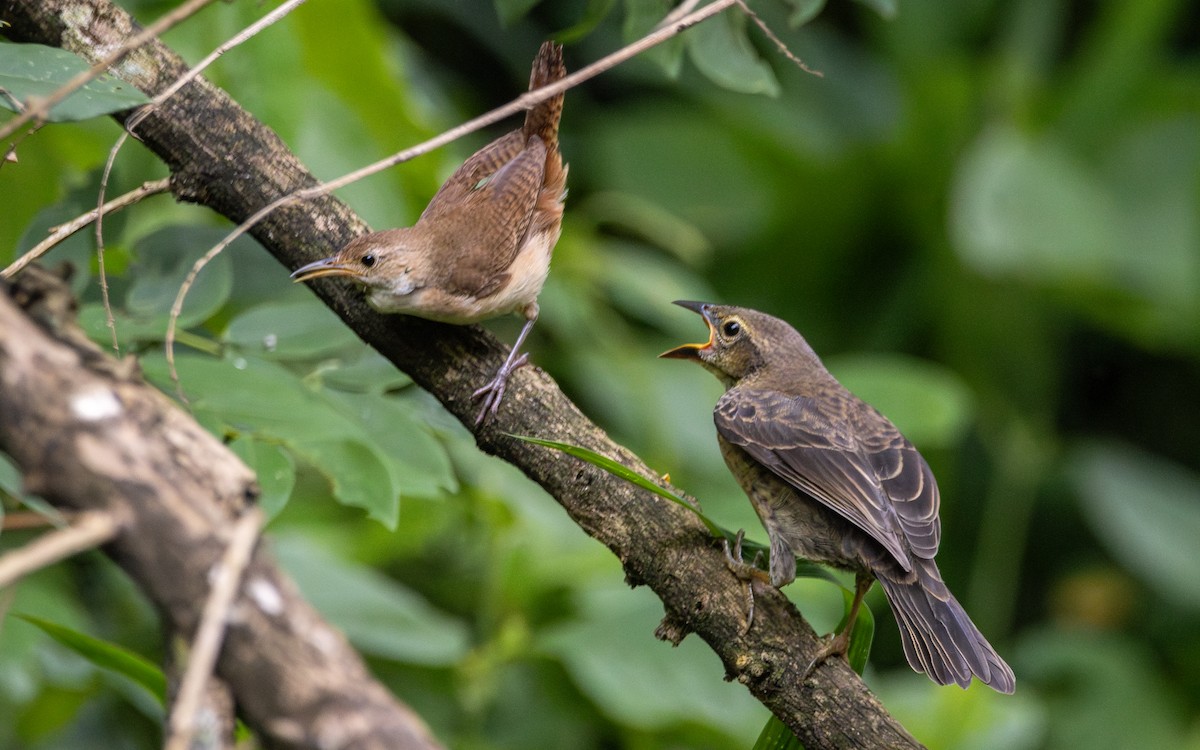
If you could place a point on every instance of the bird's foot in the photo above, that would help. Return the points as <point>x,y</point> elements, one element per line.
<point>831,645</point>
<point>746,572</point>
<point>493,392</point>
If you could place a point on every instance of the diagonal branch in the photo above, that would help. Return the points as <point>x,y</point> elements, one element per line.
<point>89,434</point>
<point>222,157</point>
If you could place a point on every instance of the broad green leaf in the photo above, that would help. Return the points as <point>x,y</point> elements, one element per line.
<point>641,16</point>
<point>164,259</point>
<point>929,403</point>
<point>611,654</point>
<point>366,371</point>
<point>1146,510</point>
<point>1108,692</point>
<point>721,51</point>
<point>269,402</point>
<point>418,461</point>
<point>106,655</point>
<point>378,615</point>
<point>804,11</point>
<point>1029,208</point>
<point>275,469</point>
<point>887,9</point>
<point>358,472</point>
<point>34,70</point>
<point>595,12</point>
<point>289,331</point>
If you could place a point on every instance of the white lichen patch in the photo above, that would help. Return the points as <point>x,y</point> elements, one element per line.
<point>265,595</point>
<point>95,404</point>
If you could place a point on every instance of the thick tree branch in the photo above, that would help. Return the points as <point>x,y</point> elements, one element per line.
<point>90,435</point>
<point>223,158</point>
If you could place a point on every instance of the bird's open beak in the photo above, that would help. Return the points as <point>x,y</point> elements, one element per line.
<point>692,351</point>
<point>330,266</point>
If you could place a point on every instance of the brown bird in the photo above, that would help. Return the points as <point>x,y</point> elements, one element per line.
<point>835,482</point>
<point>482,247</point>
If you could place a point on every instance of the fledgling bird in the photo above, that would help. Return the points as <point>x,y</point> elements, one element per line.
<point>482,247</point>
<point>835,482</point>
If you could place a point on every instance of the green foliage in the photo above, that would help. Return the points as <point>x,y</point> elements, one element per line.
<point>107,655</point>
<point>982,216</point>
<point>34,70</point>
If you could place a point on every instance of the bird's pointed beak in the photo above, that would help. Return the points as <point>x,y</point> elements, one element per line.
<point>330,266</point>
<point>692,351</point>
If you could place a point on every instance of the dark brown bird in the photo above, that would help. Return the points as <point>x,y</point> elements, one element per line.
<point>482,247</point>
<point>835,482</point>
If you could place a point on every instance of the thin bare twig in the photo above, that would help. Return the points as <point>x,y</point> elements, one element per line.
<point>91,529</point>
<point>136,118</point>
<point>764,28</point>
<point>207,643</point>
<point>523,102</point>
<point>38,109</point>
<point>63,231</point>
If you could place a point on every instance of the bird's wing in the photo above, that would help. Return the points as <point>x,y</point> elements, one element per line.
<point>816,449</point>
<point>488,221</point>
<point>905,477</point>
<point>480,165</point>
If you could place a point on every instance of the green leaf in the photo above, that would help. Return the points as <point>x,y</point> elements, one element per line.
<point>804,11</point>
<point>887,9</point>
<point>271,403</point>
<point>275,468</point>
<point>629,475</point>
<point>358,473</point>
<point>641,16</point>
<point>610,643</point>
<point>290,331</point>
<point>862,635</point>
<point>722,52</point>
<point>366,371</point>
<point>1029,208</point>
<point>595,12</point>
<point>1146,511</point>
<point>418,460</point>
<point>34,70</point>
<point>776,736</point>
<point>378,615</point>
<point>164,259</point>
<point>106,655</point>
<point>511,11</point>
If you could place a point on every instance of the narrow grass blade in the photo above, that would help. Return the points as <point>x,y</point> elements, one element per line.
<point>106,655</point>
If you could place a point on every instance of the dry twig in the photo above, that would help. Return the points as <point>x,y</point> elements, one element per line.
<point>207,643</point>
<point>89,530</point>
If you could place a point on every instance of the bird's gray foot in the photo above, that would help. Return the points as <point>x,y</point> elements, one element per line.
<point>746,572</point>
<point>493,392</point>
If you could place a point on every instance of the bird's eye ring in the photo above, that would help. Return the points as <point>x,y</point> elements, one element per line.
<point>731,328</point>
<point>368,260</point>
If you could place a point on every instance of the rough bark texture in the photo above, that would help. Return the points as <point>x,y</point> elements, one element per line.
<point>222,157</point>
<point>89,434</point>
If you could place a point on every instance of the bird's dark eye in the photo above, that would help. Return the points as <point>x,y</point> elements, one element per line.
<point>368,260</point>
<point>731,328</point>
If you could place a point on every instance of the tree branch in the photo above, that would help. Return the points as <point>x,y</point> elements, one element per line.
<point>90,435</point>
<point>223,158</point>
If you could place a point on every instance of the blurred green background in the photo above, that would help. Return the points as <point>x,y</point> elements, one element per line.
<point>985,216</point>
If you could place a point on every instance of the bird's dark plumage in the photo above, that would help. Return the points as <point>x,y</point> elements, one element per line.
<point>835,482</point>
